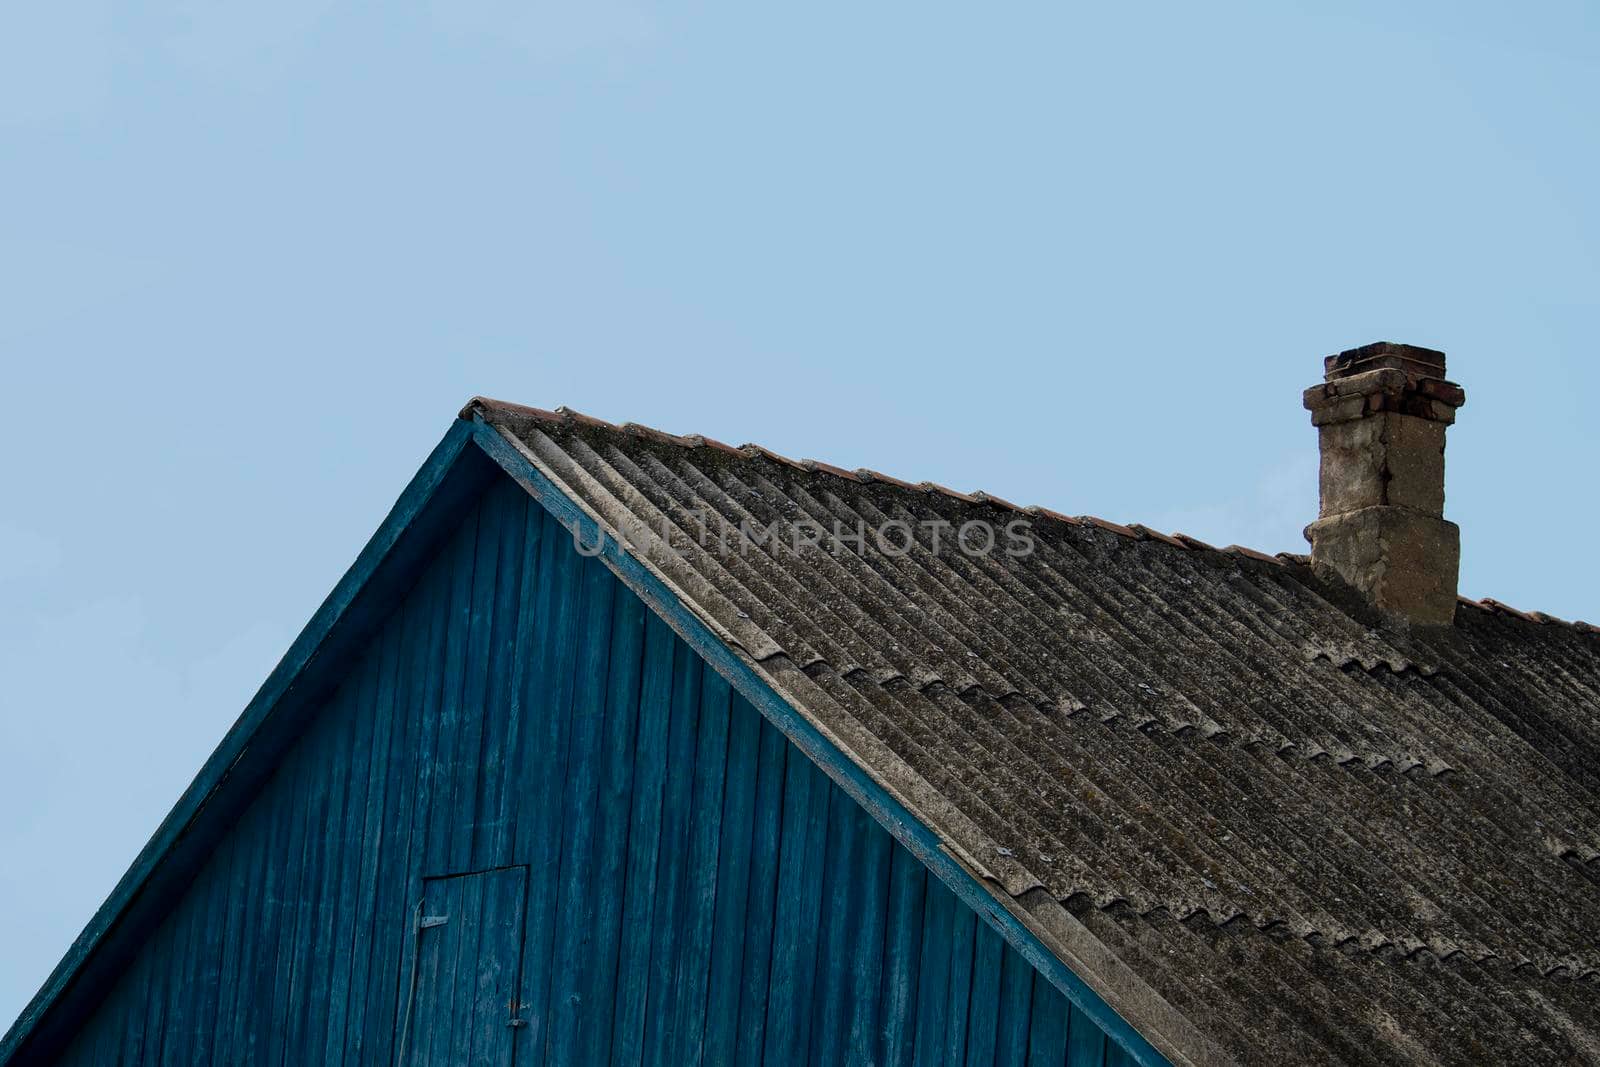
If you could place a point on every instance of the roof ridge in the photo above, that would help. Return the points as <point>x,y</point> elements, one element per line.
<point>568,416</point>
<point>565,415</point>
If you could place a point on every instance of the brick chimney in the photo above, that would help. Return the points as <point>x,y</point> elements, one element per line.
<point>1381,415</point>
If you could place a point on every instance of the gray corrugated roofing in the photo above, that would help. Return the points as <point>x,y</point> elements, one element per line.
<point>1315,839</point>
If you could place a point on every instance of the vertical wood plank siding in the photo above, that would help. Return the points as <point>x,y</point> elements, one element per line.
<point>698,892</point>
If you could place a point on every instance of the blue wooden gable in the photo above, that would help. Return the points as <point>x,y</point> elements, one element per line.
<point>508,803</point>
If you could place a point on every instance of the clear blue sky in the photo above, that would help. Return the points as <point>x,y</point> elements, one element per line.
<point>253,257</point>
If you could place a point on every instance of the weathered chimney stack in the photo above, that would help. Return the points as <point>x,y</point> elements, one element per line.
<point>1381,414</point>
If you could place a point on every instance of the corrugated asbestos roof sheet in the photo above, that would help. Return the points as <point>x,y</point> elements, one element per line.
<point>1316,840</point>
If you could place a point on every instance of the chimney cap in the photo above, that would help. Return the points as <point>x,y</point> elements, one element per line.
<point>1417,362</point>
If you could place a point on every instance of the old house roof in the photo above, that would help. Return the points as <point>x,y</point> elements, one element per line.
<point>1234,801</point>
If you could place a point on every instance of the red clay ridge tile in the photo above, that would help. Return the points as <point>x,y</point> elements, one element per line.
<point>653,434</point>
<point>1107,524</point>
<point>1048,513</point>
<point>750,449</point>
<point>1240,550</point>
<point>829,468</point>
<point>955,494</point>
<point>696,440</point>
<point>489,403</point>
<point>997,501</point>
<point>584,420</point>
<point>1195,543</point>
<point>1155,535</point>
<point>867,474</point>
<point>1507,609</point>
